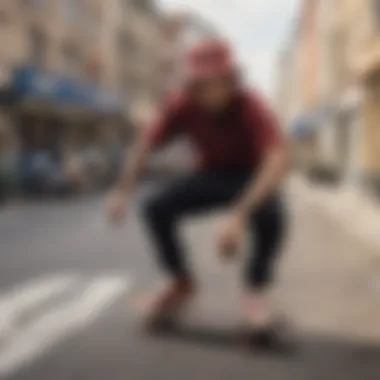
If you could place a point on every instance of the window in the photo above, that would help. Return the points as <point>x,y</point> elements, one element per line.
<point>125,4</point>
<point>128,87</point>
<point>84,18</point>
<point>125,87</point>
<point>38,48</point>
<point>35,3</point>
<point>338,59</point>
<point>147,5</point>
<point>72,64</point>
<point>93,23</point>
<point>72,11</point>
<point>126,45</point>
<point>95,69</point>
<point>376,11</point>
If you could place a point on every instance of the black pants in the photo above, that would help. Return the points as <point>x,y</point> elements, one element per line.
<point>202,192</point>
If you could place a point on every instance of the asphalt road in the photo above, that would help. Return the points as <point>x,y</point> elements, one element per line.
<point>66,279</point>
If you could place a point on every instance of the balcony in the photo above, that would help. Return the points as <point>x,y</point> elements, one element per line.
<point>37,9</point>
<point>81,19</point>
<point>368,63</point>
<point>368,58</point>
<point>95,68</point>
<point>145,5</point>
<point>8,10</point>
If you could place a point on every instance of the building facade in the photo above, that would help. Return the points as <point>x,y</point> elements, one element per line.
<point>298,89</point>
<point>346,143</point>
<point>83,73</point>
<point>365,61</point>
<point>338,69</point>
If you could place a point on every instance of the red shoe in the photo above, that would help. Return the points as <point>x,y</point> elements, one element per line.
<point>166,304</point>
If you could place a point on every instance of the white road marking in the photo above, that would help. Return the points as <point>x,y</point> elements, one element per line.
<point>29,296</point>
<point>49,329</point>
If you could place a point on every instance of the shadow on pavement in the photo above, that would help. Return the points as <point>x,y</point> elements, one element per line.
<point>200,352</point>
<point>272,341</point>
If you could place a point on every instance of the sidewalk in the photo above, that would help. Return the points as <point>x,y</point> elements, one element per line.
<point>356,213</point>
<point>327,282</point>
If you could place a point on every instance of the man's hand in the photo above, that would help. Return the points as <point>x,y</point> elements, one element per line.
<point>116,206</point>
<point>231,235</point>
<point>135,162</point>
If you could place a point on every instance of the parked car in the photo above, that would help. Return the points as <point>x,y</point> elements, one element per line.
<point>7,174</point>
<point>94,165</point>
<point>42,173</point>
<point>4,186</point>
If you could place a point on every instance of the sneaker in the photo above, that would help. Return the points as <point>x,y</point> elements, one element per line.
<point>168,303</point>
<point>257,311</point>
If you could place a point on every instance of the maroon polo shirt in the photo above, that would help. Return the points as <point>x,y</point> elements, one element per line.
<point>234,138</point>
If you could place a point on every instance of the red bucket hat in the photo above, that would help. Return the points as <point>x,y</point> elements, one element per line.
<point>210,58</point>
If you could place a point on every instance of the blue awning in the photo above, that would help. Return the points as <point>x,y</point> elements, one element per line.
<point>310,121</point>
<point>32,83</point>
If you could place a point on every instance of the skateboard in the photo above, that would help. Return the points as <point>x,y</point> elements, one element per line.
<point>276,338</point>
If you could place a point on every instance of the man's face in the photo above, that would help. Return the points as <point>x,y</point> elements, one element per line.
<point>214,93</point>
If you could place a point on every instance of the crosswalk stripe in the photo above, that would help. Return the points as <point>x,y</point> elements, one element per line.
<point>49,329</point>
<point>28,296</point>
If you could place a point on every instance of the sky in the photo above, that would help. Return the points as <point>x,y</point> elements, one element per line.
<point>257,28</point>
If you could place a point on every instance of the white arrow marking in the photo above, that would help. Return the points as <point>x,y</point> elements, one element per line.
<point>28,296</point>
<point>48,330</point>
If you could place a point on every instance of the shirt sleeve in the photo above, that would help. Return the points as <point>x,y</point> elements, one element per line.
<point>168,124</point>
<point>267,132</point>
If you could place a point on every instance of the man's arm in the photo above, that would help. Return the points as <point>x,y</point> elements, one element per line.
<point>275,160</point>
<point>166,127</point>
<point>270,176</point>
<point>134,165</point>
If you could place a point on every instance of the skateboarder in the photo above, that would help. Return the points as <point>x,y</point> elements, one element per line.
<point>243,160</point>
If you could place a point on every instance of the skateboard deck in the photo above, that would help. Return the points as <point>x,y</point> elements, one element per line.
<point>278,337</point>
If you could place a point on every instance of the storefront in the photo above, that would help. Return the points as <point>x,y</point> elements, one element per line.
<point>371,130</point>
<point>58,121</point>
<point>7,147</point>
<point>350,133</point>
<point>308,130</point>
